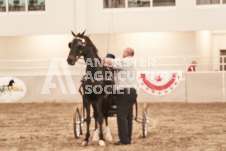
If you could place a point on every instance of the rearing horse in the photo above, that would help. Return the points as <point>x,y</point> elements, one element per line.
<point>82,46</point>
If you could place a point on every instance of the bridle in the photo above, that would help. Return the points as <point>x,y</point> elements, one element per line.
<point>81,42</point>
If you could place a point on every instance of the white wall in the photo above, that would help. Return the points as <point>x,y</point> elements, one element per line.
<point>205,87</point>
<point>204,43</point>
<point>80,15</point>
<point>56,46</point>
<point>62,16</point>
<point>185,17</point>
<point>58,19</point>
<point>204,49</point>
<point>34,47</point>
<point>147,44</point>
<point>219,43</point>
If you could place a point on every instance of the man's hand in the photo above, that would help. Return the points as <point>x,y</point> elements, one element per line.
<point>107,61</point>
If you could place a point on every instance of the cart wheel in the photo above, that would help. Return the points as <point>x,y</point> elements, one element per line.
<point>135,113</point>
<point>77,123</point>
<point>145,121</point>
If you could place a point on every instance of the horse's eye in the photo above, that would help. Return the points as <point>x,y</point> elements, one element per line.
<point>69,45</point>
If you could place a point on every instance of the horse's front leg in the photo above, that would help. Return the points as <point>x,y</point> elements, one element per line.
<point>88,120</point>
<point>100,121</point>
<point>96,132</point>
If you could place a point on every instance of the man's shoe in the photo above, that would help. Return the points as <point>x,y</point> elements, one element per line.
<point>120,143</point>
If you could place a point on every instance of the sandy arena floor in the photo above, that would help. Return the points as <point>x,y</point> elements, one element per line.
<point>48,126</point>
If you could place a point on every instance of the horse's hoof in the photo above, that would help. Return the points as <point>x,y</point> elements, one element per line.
<point>101,143</point>
<point>84,143</point>
<point>96,135</point>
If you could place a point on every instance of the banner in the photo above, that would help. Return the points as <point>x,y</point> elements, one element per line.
<point>159,82</point>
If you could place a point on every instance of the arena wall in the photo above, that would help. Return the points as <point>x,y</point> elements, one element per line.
<point>60,82</point>
<point>35,92</point>
<point>198,87</point>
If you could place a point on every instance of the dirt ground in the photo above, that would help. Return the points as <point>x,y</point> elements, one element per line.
<point>48,126</point>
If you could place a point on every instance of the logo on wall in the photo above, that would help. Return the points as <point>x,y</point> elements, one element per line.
<point>159,83</point>
<point>12,89</point>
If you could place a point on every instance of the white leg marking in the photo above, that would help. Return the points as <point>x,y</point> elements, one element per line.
<point>108,134</point>
<point>96,135</point>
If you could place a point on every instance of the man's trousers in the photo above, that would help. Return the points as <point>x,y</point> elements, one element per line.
<point>124,104</point>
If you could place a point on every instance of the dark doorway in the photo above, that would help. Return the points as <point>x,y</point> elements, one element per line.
<point>223,53</point>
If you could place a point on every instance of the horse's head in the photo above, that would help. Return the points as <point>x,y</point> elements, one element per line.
<point>77,48</point>
<point>11,82</point>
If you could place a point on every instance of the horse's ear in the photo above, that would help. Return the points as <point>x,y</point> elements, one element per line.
<point>73,33</point>
<point>83,33</point>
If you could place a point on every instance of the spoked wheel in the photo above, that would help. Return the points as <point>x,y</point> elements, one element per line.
<point>145,121</point>
<point>135,113</point>
<point>77,123</point>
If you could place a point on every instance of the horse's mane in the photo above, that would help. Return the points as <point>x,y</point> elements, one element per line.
<point>88,41</point>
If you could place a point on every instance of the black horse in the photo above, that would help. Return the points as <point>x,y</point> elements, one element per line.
<point>92,87</point>
<point>4,88</point>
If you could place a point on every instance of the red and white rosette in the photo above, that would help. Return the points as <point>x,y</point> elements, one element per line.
<point>159,82</point>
